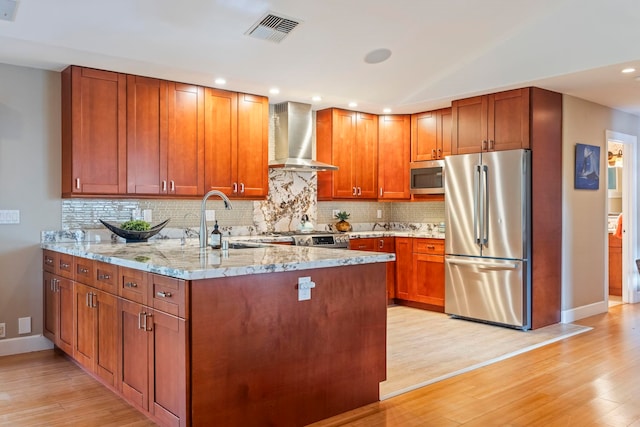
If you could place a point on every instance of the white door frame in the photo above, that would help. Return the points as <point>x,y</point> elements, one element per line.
<point>630,291</point>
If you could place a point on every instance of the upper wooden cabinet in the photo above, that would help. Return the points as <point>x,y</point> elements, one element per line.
<point>94,158</point>
<point>431,135</point>
<point>165,137</point>
<point>351,139</point>
<point>236,143</point>
<point>394,138</point>
<point>498,121</point>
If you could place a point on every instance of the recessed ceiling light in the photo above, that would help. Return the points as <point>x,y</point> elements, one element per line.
<point>316,98</point>
<point>628,70</point>
<point>386,110</point>
<point>220,81</point>
<point>353,104</point>
<point>274,91</point>
<point>376,56</point>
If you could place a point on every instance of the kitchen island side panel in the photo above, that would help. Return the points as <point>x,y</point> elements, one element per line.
<point>261,357</point>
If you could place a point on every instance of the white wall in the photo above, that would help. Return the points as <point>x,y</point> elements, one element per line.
<point>30,181</point>
<point>584,211</point>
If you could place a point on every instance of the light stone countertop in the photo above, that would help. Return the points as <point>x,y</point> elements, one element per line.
<point>170,258</point>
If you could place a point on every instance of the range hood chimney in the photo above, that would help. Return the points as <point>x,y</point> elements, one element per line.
<point>293,128</point>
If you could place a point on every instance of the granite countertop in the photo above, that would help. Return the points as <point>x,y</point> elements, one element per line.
<point>396,233</point>
<point>171,258</point>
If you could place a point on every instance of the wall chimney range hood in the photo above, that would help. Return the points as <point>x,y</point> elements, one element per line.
<point>293,128</point>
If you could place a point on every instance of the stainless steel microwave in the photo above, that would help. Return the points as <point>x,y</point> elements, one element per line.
<point>427,177</point>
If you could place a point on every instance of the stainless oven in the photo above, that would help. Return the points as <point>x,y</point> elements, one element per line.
<point>427,177</point>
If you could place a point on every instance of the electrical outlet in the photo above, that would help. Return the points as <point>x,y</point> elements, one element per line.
<point>379,213</point>
<point>335,212</point>
<point>24,325</point>
<point>146,215</point>
<point>210,215</point>
<point>3,330</point>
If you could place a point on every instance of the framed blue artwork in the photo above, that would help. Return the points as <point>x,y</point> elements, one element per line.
<point>587,167</point>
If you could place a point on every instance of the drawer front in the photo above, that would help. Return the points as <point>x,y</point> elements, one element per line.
<point>168,295</point>
<point>85,271</point>
<point>386,244</point>
<point>65,266</point>
<point>366,244</point>
<point>133,285</point>
<point>428,246</point>
<point>106,277</point>
<point>49,260</point>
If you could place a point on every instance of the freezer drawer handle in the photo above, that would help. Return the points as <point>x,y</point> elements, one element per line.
<point>505,266</point>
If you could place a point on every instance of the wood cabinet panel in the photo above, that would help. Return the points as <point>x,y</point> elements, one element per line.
<point>365,155</point>
<point>469,125</point>
<point>93,132</point>
<point>394,143</point>
<point>133,369</point>
<point>404,267</point>
<point>343,141</point>
<point>428,278</point>
<point>379,244</point>
<point>221,140</point>
<point>253,153</point>
<point>58,311</point>
<point>431,135</point>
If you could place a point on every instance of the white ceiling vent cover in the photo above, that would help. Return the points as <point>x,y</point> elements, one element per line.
<point>272,27</point>
<point>8,10</point>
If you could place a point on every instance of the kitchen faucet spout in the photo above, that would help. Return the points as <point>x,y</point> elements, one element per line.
<point>203,219</point>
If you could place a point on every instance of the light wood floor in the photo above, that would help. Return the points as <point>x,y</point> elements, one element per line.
<point>590,379</point>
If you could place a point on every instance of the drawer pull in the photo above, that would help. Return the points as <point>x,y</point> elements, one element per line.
<point>64,265</point>
<point>131,285</point>
<point>163,294</point>
<point>104,277</point>
<point>48,261</point>
<point>430,247</point>
<point>83,270</point>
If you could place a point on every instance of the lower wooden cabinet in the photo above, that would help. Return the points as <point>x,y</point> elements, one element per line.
<point>420,272</point>
<point>380,244</point>
<point>58,311</point>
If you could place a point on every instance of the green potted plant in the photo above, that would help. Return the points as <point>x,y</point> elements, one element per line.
<point>342,224</point>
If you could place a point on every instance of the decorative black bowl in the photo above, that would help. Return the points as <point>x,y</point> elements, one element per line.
<point>132,235</point>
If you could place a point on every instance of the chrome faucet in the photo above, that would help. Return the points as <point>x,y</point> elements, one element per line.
<point>203,219</point>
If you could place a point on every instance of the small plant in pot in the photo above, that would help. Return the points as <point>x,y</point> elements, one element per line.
<point>342,224</point>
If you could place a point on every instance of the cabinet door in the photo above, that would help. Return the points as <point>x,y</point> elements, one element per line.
<point>185,146</point>
<point>428,279</point>
<point>404,265</point>
<point>146,135</point>
<point>220,140</point>
<point>394,138</point>
<point>85,319</point>
<point>324,144</point>
<point>51,307</point>
<point>167,374</point>
<point>93,132</point>
<point>343,142</point>
<point>365,156</point>
<point>253,151</point>
<point>508,120</point>
<point>424,136</point>
<point>65,315</point>
<point>106,338</point>
<point>387,244</point>
<point>469,125</point>
<point>133,369</point>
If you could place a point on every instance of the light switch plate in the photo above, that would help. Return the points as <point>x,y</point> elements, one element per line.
<point>146,215</point>
<point>379,213</point>
<point>304,288</point>
<point>210,215</point>
<point>24,325</point>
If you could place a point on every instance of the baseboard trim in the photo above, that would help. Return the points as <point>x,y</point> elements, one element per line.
<point>569,316</point>
<point>24,345</point>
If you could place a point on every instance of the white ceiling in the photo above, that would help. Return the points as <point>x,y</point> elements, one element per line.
<point>441,49</point>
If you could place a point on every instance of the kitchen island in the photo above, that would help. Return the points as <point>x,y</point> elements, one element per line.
<point>271,335</point>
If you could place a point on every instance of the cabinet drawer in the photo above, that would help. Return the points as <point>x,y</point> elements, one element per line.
<point>106,277</point>
<point>367,244</point>
<point>85,271</point>
<point>168,295</point>
<point>428,246</point>
<point>49,260</point>
<point>65,266</point>
<point>133,285</point>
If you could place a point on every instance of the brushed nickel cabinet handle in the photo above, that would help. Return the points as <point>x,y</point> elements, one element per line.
<point>162,294</point>
<point>48,261</point>
<point>131,285</point>
<point>241,187</point>
<point>104,277</point>
<point>64,265</point>
<point>484,144</point>
<point>83,270</point>
<point>353,191</point>
<point>77,183</point>
<point>235,187</point>
<point>381,192</point>
<point>173,185</point>
<point>164,185</point>
<point>140,320</point>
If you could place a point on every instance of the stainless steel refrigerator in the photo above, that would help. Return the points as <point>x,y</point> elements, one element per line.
<point>488,237</point>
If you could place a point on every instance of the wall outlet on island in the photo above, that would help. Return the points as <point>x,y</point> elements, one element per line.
<point>210,215</point>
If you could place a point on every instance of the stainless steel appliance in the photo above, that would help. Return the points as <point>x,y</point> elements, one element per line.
<point>427,177</point>
<point>324,239</point>
<point>488,237</point>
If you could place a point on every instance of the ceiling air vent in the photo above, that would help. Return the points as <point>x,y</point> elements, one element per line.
<point>272,27</point>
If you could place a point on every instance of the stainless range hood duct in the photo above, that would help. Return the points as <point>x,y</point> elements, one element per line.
<point>293,129</point>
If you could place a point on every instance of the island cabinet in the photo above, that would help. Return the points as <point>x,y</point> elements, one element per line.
<point>236,143</point>
<point>165,137</point>
<point>348,140</point>
<point>94,139</point>
<point>58,299</point>
<point>152,369</point>
<point>95,310</point>
<point>493,122</point>
<point>380,244</point>
<point>431,135</point>
<point>394,140</point>
<point>420,273</point>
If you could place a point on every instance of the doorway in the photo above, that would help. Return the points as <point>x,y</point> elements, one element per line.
<point>621,199</point>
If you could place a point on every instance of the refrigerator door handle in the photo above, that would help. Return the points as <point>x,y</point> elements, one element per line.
<point>477,209</point>
<point>482,266</point>
<point>485,205</point>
